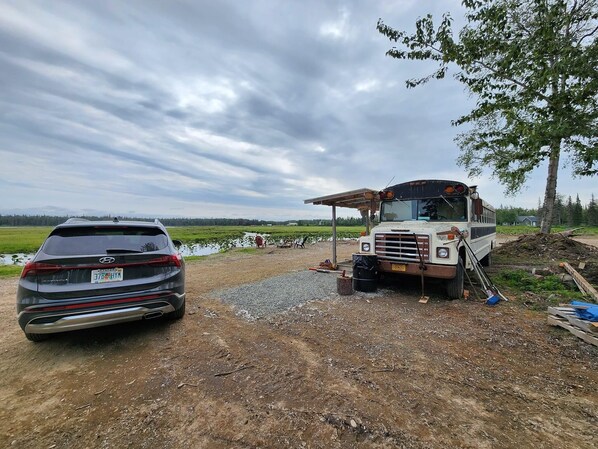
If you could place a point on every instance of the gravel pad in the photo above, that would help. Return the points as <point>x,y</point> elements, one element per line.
<point>280,293</point>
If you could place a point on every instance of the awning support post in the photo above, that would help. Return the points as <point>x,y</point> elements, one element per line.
<point>334,236</point>
<point>365,200</point>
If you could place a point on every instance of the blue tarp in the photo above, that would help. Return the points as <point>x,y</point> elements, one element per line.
<point>590,314</point>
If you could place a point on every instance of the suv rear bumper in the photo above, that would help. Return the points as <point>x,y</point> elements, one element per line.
<point>39,322</point>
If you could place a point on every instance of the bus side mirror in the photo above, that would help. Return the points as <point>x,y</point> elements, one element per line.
<point>478,207</point>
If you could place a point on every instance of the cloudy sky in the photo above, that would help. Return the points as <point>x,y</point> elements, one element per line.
<point>221,108</point>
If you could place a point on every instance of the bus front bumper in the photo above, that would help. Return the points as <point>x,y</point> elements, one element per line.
<point>409,268</point>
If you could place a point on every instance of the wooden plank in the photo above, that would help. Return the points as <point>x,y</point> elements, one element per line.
<point>570,316</point>
<point>585,325</point>
<point>565,312</point>
<point>575,331</point>
<point>562,309</point>
<point>580,281</point>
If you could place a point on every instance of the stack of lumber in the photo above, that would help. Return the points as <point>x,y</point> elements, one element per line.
<point>566,318</point>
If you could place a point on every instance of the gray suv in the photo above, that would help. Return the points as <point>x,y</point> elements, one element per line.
<point>95,273</point>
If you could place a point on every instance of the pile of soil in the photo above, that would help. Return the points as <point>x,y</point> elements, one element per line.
<point>552,247</point>
<point>548,246</point>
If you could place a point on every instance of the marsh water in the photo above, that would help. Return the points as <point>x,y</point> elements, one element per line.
<point>187,249</point>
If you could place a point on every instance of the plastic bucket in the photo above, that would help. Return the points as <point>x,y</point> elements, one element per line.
<point>365,273</point>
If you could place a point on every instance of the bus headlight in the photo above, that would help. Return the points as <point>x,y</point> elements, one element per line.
<point>442,253</point>
<point>365,247</point>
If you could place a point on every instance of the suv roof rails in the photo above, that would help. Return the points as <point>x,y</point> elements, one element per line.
<point>76,220</point>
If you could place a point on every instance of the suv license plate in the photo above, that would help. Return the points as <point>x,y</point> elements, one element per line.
<point>106,275</point>
<point>398,267</point>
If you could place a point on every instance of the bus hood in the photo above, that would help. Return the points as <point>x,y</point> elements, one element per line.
<point>419,226</point>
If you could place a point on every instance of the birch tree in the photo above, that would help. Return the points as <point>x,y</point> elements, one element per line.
<point>533,67</point>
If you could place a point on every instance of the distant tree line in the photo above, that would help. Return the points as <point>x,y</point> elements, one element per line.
<point>348,221</point>
<point>48,220</point>
<point>566,212</point>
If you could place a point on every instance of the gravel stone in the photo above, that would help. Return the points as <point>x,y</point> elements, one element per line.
<point>280,293</point>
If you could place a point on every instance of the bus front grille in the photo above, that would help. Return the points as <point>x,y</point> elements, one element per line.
<point>403,247</point>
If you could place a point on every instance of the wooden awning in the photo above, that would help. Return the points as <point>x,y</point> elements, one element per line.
<point>356,199</point>
<point>366,200</point>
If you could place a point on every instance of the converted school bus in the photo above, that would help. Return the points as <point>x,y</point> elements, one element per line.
<point>426,226</point>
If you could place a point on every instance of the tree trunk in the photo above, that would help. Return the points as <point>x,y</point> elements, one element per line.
<point>550,194</point>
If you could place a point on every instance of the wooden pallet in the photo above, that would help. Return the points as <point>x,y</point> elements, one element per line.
<point>566,318</point>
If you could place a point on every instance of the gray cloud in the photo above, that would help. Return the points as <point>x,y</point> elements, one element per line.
<point>222,108</point>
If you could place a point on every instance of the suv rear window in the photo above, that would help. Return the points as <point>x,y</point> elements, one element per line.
<point>81,241</point>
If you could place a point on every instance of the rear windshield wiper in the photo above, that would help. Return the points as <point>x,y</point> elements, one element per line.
<point>122,250</point>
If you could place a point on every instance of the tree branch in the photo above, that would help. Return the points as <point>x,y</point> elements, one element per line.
<point>591,33</point>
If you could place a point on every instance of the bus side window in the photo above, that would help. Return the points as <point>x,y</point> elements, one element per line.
<point>459,212</point>
<point>478,210</point>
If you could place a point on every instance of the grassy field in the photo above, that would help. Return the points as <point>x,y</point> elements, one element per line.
<point>25,239</point>
<point>10,270</point>
<point>520,230</point>
<point>28,239</point>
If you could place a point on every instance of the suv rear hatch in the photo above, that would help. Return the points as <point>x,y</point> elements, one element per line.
<point>87,261</point>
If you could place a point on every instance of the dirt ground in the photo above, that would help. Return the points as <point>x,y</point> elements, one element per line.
<point>377,371</point>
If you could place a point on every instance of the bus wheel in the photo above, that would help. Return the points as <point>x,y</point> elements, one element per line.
<point>454,287</point>
<point>486,261</point>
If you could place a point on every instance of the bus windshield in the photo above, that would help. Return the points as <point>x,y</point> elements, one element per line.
<point>428,209</point>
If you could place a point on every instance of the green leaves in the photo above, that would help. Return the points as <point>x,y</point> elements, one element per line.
<point>533,66</point>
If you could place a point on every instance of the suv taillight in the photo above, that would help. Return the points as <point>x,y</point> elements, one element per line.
<point>173,259</point>
<point>33,268</point>
<point>176,259</point>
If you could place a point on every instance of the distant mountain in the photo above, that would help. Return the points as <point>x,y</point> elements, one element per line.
<point>51,210</point>
<point>55,211</point>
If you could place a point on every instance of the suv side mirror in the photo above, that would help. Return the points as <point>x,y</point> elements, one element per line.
<point>177,243</point>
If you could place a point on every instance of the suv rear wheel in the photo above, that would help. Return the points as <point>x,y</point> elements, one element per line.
<point>36,337</point>
<point>178,313</point>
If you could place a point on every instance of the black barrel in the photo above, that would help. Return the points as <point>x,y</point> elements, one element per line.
<point>365,272</point>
